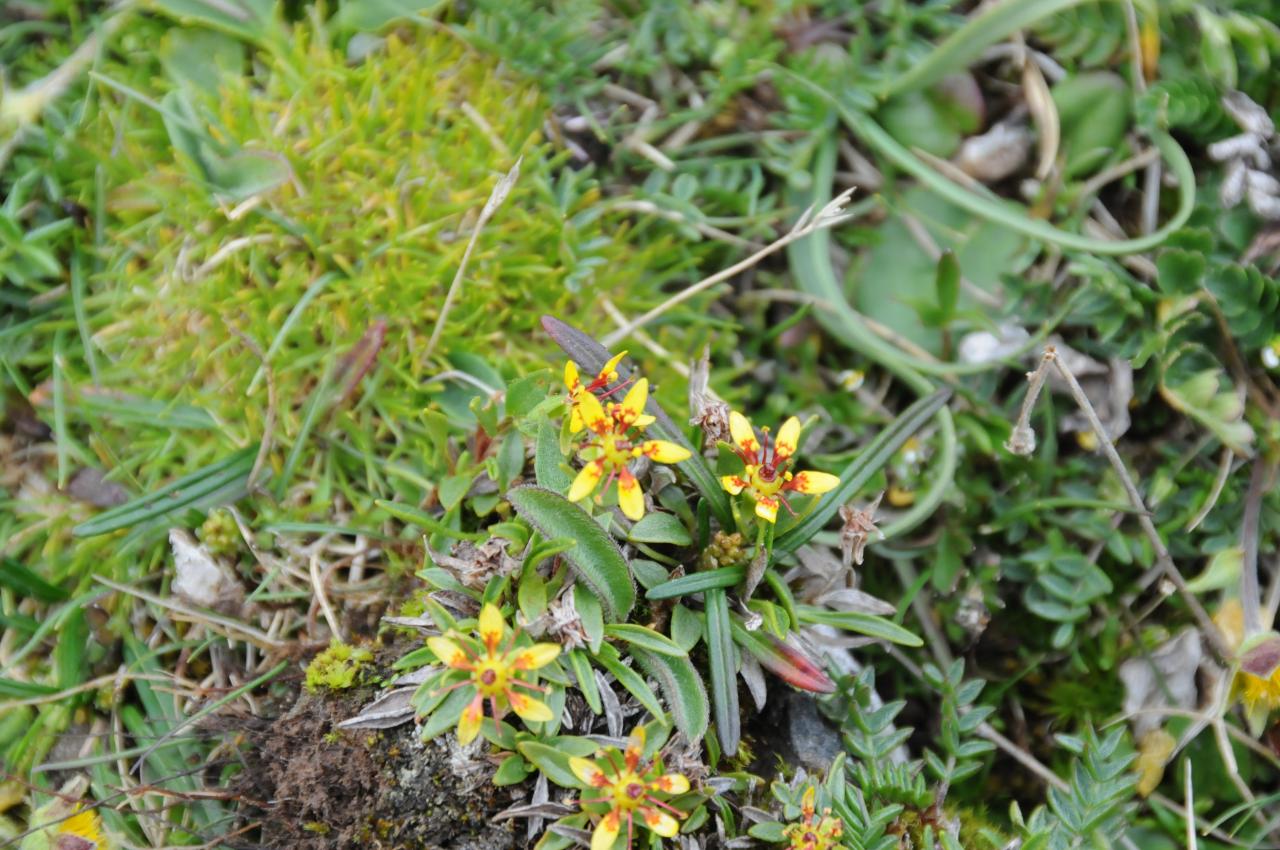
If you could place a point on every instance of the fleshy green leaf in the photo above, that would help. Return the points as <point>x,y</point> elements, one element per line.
<point>722,577</point>
<point>724,672</point>
<point>629,679</point>
<point>658,527</point>
<point>683,688</point>
<point>596,559</point>
<point>645,638</point>
<point>864,624</point>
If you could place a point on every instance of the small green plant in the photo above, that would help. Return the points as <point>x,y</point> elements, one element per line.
<point>337,668</point>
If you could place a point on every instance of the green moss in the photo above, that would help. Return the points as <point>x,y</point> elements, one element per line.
<point>337,668</point>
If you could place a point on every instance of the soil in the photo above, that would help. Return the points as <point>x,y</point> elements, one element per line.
<point>326,789</point>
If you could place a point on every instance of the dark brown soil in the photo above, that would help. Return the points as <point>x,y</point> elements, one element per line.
<point>325,789</point>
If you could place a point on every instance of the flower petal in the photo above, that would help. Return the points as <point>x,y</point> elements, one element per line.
<point>644,421</point>
<point>538,655</point>
<point>664,451</point>
<point>449,653</point>
<point>807,803</point>
<point>788,439</point>
<point>609,372</point>
<point>732,483</point>
<point>812,482</point>
<point>671,783</point>
<point>630,497</point>
<point>660,822</point>
<point>743,436</point>
<point>635,748</point>
<point>588,407</point>
<point>632,407</point>
<point>492,626</point>
<point>606,831</point>
<point>528,708</point>
<point>586,480</point>
<point>587,772</point>
<point>469,722</point>
<point>571,376</point>
<point>767,508</point>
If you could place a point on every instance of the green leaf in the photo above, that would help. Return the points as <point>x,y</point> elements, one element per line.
<point>856,475</point>
<point>719,578</point>
<point>587,605</point>
<point>686,626</point>
<point>723,661</point>
<point>219,483</point>
<point>591,357</point>
<point>447,713</point>
<point>683,688</point>
<point>645,638</point>
<point>25,583</point>
<point>947,284</point>
<point>547,460</point>
<point>372,15</point>
<point>596,559</point>
<point>581,666</point>
<point>658,527</point>
<point>631,680</point>
<point>514,769</point>
<point>864,624</point>
<point>552,762</point>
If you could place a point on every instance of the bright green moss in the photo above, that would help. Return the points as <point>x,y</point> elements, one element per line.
<point>337,668</point>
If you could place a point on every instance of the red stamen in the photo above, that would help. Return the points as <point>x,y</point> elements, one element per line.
<point>453,687</point>
<point>652,799</point>
<point>522,683</point>
<point>594,800</point>
<point>786,504</point>
<point>606,394</point>
<point>630,828</point>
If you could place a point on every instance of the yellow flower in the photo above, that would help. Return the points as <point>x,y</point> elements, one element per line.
<point>84,826</point>
<point>629,790</point>
<point>496,667</point>
<point>766,478</point>
<point>612,447</point>
<point>599,386</point>
<point>1257,681</point>
<point>812,832</point>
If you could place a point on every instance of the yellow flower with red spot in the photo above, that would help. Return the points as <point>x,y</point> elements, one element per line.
<point>1257,680</point>
<point>614,443</point>
<point>766,478</point>
<point>630,790</point>
<point>599,387</point>
<point>812,832</point>
<point>497,669</point>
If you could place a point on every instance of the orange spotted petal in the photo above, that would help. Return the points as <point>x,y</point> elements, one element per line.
<point>788,439</point>
<point>767,508</point>
<point>606,831</point>
<point>587,479</point>
<point>635,748</point>
<point>571,376</point>
<point>632,407</point>
<point>609,372</point>
<point>528,708</point>
<point>660,822</point>
<point>732,483</point>
<point>663,451</point>
<point>587,772</point>
<point>671,783</point>
<point>812,482</point>
<point>449,653</point>
<point>492,626</point>
<point>630,497</point>
<point>743,436</point>
<point>469,722</point>
<point>806,802</point>
<point>538,655</point>
<point>593,416</point>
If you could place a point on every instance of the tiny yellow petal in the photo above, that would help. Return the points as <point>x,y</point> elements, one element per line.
<point>538,655</point>
<point>587,772</point>
<point>449,653</point>
<point>740,430</point>
<point>609,372</point>
<point>606,831</point>
<point>813,482</point>
<point>630,497</point>
<point>469,722</point>
<point>571,376</point>
<point>528,708</point>
<point>633,405</point>
<point>85,825</point>
<point>635,747</point>
<point>661,822</point>
<point>767,509</point>
<point>644,421</point>
<point>588,407</point>
<point>586,480</point>
<point>806,802</point>
<point>788,438</point>
<point>492,626</point>
<point>663,451</point>
<point>732,483</point>
<point>671,783</point>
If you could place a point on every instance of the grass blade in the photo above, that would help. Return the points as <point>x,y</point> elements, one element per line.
<point>724,672</point>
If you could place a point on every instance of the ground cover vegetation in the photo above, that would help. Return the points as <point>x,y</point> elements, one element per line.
<point>695,424</point>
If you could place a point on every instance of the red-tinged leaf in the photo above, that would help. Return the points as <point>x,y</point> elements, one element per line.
<point>785,660</point>
<point>1263,657</point>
